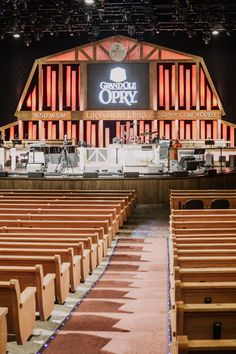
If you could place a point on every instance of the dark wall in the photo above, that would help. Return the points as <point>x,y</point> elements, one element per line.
<point>16,61</point>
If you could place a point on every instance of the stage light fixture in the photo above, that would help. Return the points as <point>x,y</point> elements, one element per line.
<point>215,32</point>
<point>16,35</point>
<point>89,2</point>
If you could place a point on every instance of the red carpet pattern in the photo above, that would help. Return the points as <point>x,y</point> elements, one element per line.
<point>126,311</point>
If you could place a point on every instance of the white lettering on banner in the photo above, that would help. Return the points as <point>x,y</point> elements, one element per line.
<point>118,92</point>
<point>50,115</point>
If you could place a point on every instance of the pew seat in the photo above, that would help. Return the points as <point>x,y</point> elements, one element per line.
<point>3,330</point>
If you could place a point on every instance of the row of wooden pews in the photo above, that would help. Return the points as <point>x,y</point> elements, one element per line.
<point>50,241</point>
<point>202,253</point>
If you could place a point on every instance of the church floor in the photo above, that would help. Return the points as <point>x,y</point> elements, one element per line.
<point>126,310</point>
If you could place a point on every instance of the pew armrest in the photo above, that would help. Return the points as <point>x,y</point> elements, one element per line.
<point>48,279</point>
<point>27,295</point>
<point>64,267</point>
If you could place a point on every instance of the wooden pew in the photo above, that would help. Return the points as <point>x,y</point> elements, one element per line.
<point>205,262</point>
<point>55,225</point>
<point>200,231</point>
<point>182,345</point>
<point>21,309</point>
<point>64,221</point>
<point>91,242</point>
<point>204,252</point>
<point>3,330</point>
<point>51,264</point>
<point>83,204</point>
<point>66,255</point>
<point>34,276</point>
<point>81,264</point>
<point>199,321</point>
<point>207,292</point>
<point>205,274</point>
<point>57,232</point>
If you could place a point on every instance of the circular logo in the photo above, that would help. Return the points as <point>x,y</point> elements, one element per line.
<point>117,52</point>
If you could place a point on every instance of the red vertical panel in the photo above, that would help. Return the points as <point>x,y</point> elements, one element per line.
<point>161,128</point>
<point>68,130</point>
<point>93,132</point>
<point>208,98</point>
<point>12,132</point>
<point>128,128</point>
<point>232,138</point>
<point>54,83</point>
<point>73,134</point>
<point>208,130</point>
<point>203,134</point>
<point>202,88</point>
<point>167,89</point>
<point>188,131</point>
<point>34,99</point>
<point>34,132</point>
<point>49,130</point>
<point>73,92</point>
<point>141,129</point>
<point>146,136</point>
<point>118,129</point>
<point>215,129</point>
<point>187,88</point>
<point>49,83</point>
<point>194,86</point>
<point>181,130</point>
<point>181,85</point>
<point>224,132</point>
<point>107,136</point>
<point>161,86</point>
<point>173,85</point>
<point>68,86</point>
<point>194,129</point>
<point>214,101</point>
<point>54,131</point>
<point>29,101</point>
<point>88,132</point>
<point>78,100</point>
<point>167,130</point>
<point>30,130</point>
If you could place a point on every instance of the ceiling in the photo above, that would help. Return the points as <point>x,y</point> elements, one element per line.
<point>33,19</point>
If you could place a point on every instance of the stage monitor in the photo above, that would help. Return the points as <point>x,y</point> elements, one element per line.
<point>118,86</point>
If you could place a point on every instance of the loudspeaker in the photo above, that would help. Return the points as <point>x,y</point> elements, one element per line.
<point>180,173</point>
<point>232,161</point>
<point>35,174</point>
<point>131,174</point>
<point>211,172</point>
<point>3,174</point>
<point>90,174</point>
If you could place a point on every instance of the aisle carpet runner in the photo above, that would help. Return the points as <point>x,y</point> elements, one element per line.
<point>126,311</point>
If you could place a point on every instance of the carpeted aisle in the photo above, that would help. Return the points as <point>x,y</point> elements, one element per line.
<point>126,311</point>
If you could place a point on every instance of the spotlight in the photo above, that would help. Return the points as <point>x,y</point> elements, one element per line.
<point>215,32</point>
<point>16,35</point>
<point>89,2</point>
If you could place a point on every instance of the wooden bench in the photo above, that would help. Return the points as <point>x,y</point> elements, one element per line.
<point>55,225</point>
<point>3,330</point>
<point>178,202</point>
<point>205,274</point>
<point>205,252</point>
<point>90,242</point>
<point>182,345</point>
<point>51,264</point>
<point>21,309</point>
<point>207,292</point>
<point>34,276</point>
<point>200,231</point>
<point>200,321</point>
<point>205,262</point>
<point>199,245</point>
<point>66,255</point>
<point>57,232</point>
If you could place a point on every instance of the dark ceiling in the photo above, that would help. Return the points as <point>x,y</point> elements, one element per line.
<point>33,19</point>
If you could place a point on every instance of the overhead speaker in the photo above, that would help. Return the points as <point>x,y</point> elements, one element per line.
<point>3,174</point>
<point>131,174</point>
<point>35,174</point>
<point>90,174</point>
